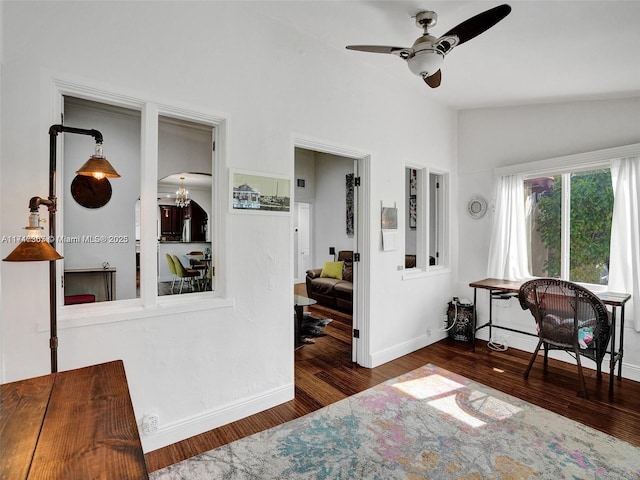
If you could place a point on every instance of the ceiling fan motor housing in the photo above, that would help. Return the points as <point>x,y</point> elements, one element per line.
<point>426,19</point>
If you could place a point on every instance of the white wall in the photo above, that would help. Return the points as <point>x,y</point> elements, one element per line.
<point>329,207</point>
<point>201,368</point>
<point>325,190</point>
<point>305,170</point>
<point>183,147</point>
<point>490,138</point>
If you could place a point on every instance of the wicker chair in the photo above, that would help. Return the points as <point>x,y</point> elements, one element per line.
<point>570,318</point>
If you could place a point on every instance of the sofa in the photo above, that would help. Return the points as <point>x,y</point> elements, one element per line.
<point>332,285</point>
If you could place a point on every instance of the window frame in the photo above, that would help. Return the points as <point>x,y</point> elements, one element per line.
<point>565,214</point>
<point>585,161</point>
<point>424,222</point>
<point>149,304</point>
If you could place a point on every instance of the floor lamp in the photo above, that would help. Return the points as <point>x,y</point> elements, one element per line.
<point>34,246</point>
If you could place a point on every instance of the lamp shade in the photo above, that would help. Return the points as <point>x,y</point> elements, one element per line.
<point>425,62</point>
<point>33,251</point>
<point>98,167</point>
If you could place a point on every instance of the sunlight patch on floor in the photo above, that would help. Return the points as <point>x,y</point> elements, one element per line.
<point>428,387</point>
<point>469,406</point>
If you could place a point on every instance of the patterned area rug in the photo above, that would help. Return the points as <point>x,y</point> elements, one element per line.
<point>427,424</point>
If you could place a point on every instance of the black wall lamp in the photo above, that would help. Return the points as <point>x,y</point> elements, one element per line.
<point>35,247</point>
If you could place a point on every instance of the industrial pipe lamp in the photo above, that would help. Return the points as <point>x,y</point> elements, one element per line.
<point>36,247</point>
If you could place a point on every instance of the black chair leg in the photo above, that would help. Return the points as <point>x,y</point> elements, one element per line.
<point>546,355</point>
<point>584,392</point>
<point>533,359</point>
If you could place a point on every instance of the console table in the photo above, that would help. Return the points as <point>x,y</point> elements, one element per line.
<point>499,288</point>
<point>77,424</point>
<point>108,273</point>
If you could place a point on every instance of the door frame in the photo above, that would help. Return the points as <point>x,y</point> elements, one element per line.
<point>362,227</point>
<point>299,276</point>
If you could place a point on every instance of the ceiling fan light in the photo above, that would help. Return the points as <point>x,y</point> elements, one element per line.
<point>425,62</point>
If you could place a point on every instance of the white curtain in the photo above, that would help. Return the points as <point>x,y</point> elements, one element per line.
<point>508,253</point>
<point>624,263</point>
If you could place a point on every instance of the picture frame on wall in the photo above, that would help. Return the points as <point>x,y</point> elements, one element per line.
<point>350,208</point>
<point>413,217</point>
<point>254,192</point>
<point>413,182</point>
<point>389,218</point>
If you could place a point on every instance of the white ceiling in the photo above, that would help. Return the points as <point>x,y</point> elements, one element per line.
<point>544,51</point>
<point>170,183</point>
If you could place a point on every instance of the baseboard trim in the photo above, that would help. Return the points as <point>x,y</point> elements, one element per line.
<point>397,351</point>
<point>197,424</point>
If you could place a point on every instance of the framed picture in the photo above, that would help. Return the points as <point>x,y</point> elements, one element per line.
<point>349,221</point>
<point>413,219</point>
<point>259,193</point>
<point>389,219</point>
<point>413,181</point>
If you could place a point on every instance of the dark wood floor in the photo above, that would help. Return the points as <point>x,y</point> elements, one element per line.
<point>324,374</point>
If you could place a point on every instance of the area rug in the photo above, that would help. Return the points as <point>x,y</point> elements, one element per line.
<point>427,424</point>
<point>312,327</point>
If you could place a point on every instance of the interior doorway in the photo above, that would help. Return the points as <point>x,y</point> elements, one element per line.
<point>327,198</point>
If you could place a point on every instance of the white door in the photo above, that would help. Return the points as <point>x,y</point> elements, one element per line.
<point>302,240</point>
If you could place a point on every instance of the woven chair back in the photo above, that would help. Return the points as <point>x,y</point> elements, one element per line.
<point>566,313</point>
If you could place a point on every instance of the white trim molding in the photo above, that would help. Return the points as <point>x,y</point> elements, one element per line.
<point>586,159</point>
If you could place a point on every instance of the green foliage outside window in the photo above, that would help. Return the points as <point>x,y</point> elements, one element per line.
<point>591,213</point>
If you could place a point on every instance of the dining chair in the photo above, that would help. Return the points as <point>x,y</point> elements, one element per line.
<point>568,317</point>
<point>208,277</point>
<point>172,269</point>
<point>187,274</point>
<point>198,262</point>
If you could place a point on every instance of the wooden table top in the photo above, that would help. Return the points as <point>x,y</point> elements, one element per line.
<point>497,284</point>
<point>77,424</point>
<point>609,298</point>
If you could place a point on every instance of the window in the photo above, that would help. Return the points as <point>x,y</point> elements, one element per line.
<point>148,144</point>
<point>103,248</point>
<point>99,244</point>
<point>425,219</point>
<point>437,218</point>
<point>568,218</point>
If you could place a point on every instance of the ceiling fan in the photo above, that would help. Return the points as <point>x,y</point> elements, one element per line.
<point>427,53</point>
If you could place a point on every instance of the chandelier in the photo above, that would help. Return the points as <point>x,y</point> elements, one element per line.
<point>182,195</point>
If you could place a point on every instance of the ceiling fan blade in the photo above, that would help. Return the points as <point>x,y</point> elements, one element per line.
<point>380,49</point>
<point>477,24</point>
<point>434,80</point>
